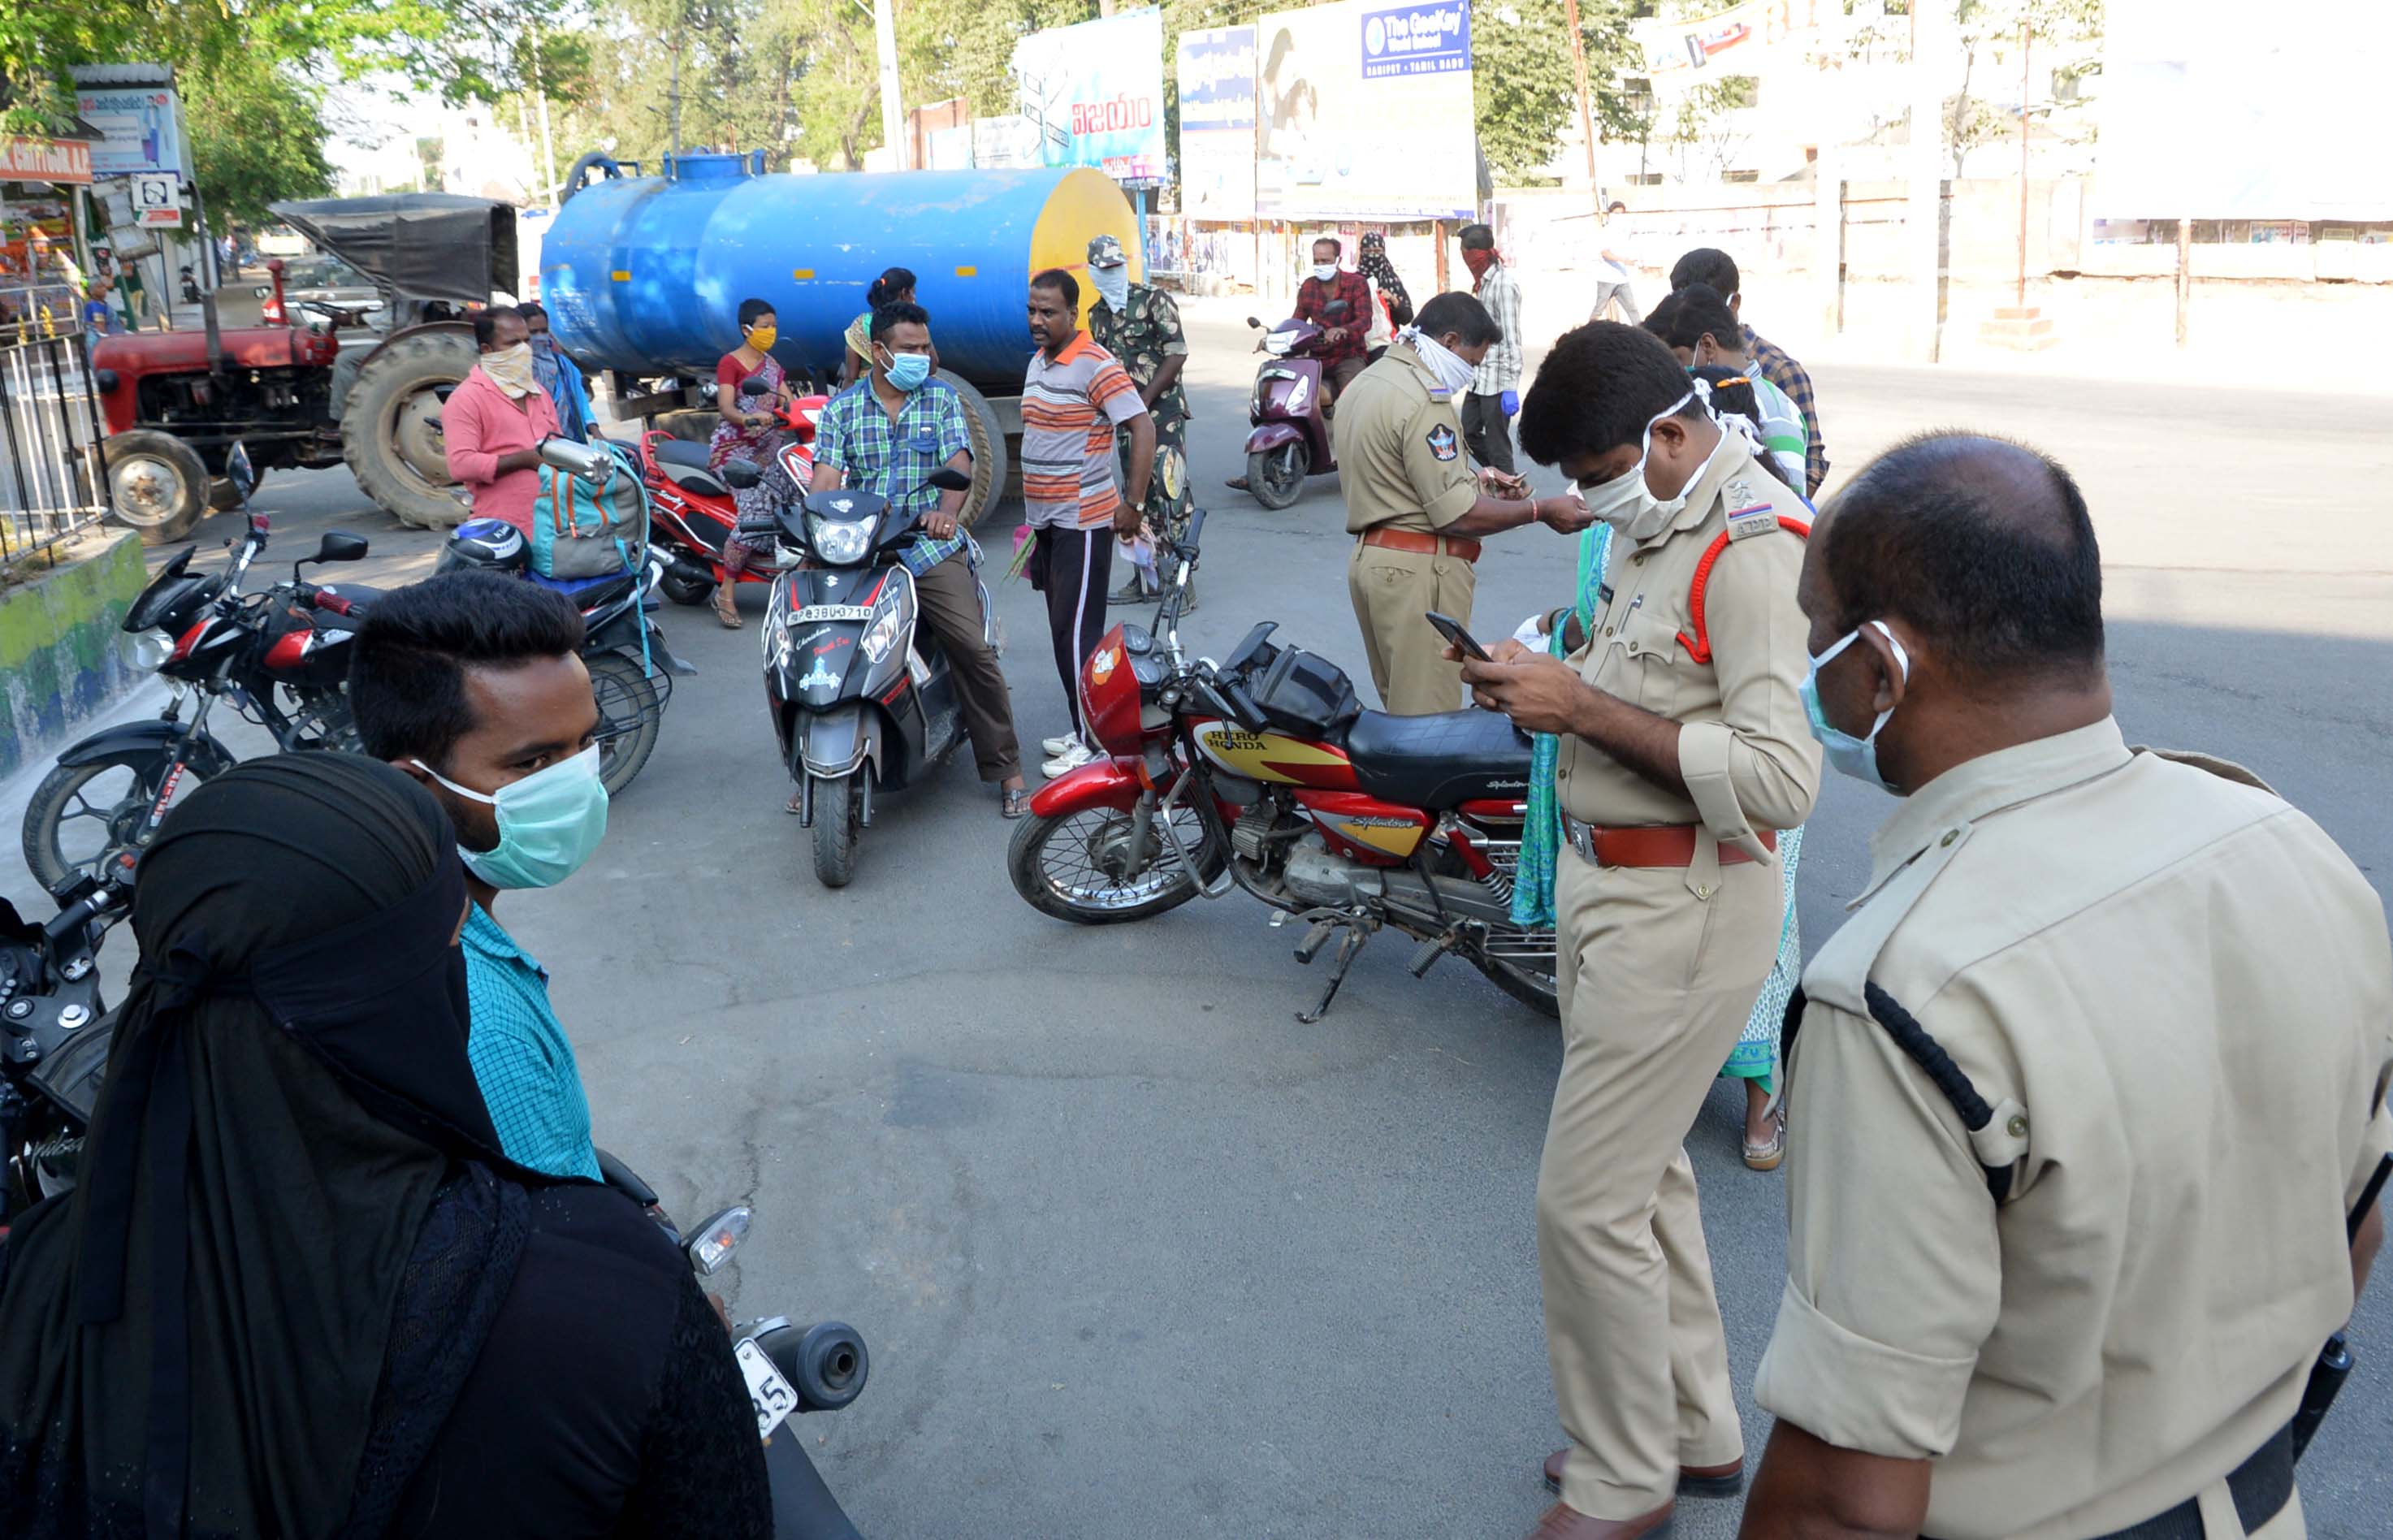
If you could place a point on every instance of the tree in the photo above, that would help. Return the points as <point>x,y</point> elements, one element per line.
<point>257,136</point>
<point>1987,23</point>
<point>1704,131</point>
<point>1524,87</point>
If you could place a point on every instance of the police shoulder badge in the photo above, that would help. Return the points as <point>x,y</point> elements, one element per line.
<point>1443,443</point>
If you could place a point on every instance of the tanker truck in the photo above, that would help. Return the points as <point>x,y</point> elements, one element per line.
<point>643,275</point>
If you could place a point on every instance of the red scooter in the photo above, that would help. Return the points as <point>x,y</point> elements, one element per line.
<point>1290,413</point>
<point>692,511</point>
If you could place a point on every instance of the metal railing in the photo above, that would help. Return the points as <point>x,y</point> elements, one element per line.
<point>53,472</point>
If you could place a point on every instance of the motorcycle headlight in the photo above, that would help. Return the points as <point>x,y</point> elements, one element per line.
<point>150,650</point>
<point>841,545</point>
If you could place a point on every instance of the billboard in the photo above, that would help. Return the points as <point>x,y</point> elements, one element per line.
<point>1095,93</point>
<point>139,127</point>
<point>1366,112</point>
<point>1217,124</point>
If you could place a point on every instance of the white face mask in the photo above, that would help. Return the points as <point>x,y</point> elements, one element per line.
<point>1453,371</point>
<point>510,369</point>
<point>1112,285</point>
<point>1629,504</point>
<point>1326,271</point>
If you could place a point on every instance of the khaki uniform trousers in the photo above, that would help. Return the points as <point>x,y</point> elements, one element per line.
<point>1392,591</point>
<point>1656,986</point>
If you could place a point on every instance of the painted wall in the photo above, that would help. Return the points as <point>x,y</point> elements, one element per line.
<point>61,661</point>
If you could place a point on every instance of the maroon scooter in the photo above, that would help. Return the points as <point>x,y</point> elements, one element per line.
<point>1290,438</point>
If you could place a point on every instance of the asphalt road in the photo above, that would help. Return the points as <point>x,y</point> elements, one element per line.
<point>1135,1253</point>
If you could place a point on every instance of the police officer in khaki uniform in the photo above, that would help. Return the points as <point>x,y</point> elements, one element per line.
<point>1414,505</point>
<point>2088,1088</point>
<point>1684,750</point>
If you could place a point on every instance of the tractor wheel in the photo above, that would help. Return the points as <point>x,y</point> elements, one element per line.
<point>386,435</point>
<point>988,454</point>
<point>157,484</point>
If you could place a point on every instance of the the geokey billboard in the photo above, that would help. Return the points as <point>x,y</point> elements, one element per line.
<point>1366,112</point>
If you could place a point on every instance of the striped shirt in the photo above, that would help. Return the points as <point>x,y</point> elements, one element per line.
<point>1071,404</point>
<point>1776,365</point>
<point>1500,371</point>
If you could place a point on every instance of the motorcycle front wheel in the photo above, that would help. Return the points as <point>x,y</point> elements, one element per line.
<point>1525,983</point>
<point>1276,476</point>
<point>1079,867</point>
<point>836,829</point>
<point>82,814</point>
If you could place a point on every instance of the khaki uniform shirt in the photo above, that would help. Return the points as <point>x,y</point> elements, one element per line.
<point>1745,744</point>
<point>2173,992</point>
<point>1399,444</point>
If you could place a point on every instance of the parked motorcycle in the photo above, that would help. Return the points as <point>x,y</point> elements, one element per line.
<point>693,509</point>
<point>278,656</point>
<point>1263,773</point>
<point>1289,440</point>
<point>53,1036</point>
<point>860,702</point>
<point>789,1369</point>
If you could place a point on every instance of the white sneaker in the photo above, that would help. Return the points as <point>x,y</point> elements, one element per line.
<point>1071,759</point>
<point>1055,747</point>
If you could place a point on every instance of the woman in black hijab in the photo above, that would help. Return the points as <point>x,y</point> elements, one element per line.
<point>298,1291</point>
<point>1374,264</point>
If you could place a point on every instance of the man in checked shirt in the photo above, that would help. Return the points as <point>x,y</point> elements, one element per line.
<point>1495,389</point>
<point>1712,266</point>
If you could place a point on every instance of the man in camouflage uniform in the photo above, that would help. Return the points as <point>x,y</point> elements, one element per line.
<point>1140,325</point>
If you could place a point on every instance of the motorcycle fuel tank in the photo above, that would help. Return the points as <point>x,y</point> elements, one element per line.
<point>647,274</point>
<point>1276,757</point>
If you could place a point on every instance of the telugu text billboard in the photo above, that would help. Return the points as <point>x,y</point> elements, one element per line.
<point>1095,93</point>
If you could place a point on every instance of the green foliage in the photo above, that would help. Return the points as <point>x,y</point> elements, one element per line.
<point>257,136</point>
<point>1525,86</point>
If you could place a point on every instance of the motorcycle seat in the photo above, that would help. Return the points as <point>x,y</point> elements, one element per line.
<point>1440,760</point>
<point>684,464</point>
<point>681,452</point>
<point>587,594</point>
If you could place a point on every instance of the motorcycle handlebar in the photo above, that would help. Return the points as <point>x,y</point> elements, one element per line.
<point>1251,716</point>
<point>332,602</point>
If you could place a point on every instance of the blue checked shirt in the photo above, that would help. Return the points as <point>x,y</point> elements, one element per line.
<point>521,1057</point>
<point>876,454</point>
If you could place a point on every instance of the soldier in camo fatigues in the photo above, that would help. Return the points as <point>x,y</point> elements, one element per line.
<point>1140,325</point>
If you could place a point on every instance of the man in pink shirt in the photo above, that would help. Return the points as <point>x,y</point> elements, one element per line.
<point>494,422</point>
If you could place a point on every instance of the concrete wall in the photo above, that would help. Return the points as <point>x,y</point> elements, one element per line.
<point>61,661</point>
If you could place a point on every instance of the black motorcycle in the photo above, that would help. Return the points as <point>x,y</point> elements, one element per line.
<point>860,703</point>
<point>54,1033</point>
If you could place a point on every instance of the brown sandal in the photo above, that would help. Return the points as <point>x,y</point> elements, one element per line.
<point>726,610</point>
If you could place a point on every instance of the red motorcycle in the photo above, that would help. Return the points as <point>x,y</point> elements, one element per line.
<point>691,510</point>
<point>1261,772</point>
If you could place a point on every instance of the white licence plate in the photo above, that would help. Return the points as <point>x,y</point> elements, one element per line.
<point>831,612</point>
<point>771,1393</point>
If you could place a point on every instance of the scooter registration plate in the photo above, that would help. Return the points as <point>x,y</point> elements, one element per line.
<point>832,612</point>
<point>768,1390</point>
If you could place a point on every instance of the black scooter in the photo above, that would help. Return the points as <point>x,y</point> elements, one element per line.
<point>859,706</point>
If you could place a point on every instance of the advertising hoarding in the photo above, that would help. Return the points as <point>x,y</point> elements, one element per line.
<point>140,128</point>
<point>1095,93</point>
<point>1216,71</point>
<point>1366,112</point>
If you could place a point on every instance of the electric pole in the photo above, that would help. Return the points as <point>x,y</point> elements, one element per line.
<point>1585,117</point>
<point>892,115</point>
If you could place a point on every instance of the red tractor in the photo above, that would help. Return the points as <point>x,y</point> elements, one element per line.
<point>177,401</point>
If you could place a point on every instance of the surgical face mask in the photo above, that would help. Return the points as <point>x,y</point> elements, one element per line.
<point>1326,271</point>
<point>1629,504</point>
<point>908,370</point>
<point>1113,285</point>
<point>549,823</point>
<point>1856,757</point>
<point>1451,369</point>
<point>510,369</point>
<point>762,338</point>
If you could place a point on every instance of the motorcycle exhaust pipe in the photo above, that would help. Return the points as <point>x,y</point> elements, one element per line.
<point>688,570</point>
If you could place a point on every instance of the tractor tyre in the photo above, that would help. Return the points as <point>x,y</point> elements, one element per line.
<point>157,485</point>
<point>988,454</point>
<point>386,435</point>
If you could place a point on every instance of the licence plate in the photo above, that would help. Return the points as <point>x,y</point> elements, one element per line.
<point>832,612</point>
<point>768,1390</point>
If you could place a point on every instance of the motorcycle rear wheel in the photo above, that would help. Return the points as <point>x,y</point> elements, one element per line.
<point>71,827</point>
<point>1276,476</point>
<point>630,717</point>
<point>836,829</point>
<point>1531,988</point>
<point>1060,867</point>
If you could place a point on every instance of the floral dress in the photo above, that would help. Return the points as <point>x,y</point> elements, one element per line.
<point>762,447</point>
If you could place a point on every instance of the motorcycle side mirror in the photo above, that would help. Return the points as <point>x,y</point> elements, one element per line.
<point>739,475</point>
<point>340,546</point>
<point>949,480</point>
<point>755,384</point>
<point>1257,324</point>
<point>711,1244</point>
<point>239,471</point>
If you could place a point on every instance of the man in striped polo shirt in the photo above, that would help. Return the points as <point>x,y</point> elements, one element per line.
<point>1074,396</point>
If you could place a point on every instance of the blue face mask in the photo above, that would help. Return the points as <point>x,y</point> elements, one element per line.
<point>550,822</point>
<point>908,370</point>
<point>1856,757</point>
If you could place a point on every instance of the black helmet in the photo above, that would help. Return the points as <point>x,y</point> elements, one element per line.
<point>484,544</point>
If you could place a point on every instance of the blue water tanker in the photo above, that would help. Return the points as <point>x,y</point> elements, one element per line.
<point>645,275</point>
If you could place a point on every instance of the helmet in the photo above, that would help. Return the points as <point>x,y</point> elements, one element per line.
<point>486,546</point>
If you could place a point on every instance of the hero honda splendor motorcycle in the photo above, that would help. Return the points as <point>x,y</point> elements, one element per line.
<point>1263,773</point>
<point>861,701</point>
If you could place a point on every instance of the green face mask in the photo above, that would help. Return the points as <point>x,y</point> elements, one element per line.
<point>550,822</point>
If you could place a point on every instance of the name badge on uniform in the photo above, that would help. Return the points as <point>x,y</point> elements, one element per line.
<point>1603,594</point>
<point>1442,442</point>
<point>1757,521</point>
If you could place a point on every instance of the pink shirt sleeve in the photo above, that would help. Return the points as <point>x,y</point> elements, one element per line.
<point>465,430</point>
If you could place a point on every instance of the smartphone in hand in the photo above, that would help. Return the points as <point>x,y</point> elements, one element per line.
<point>1452,630</point>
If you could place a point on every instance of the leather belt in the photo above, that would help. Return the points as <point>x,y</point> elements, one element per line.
<point>1652,845</point>
<point>2260,1486</point>
<point>1421,544</point>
